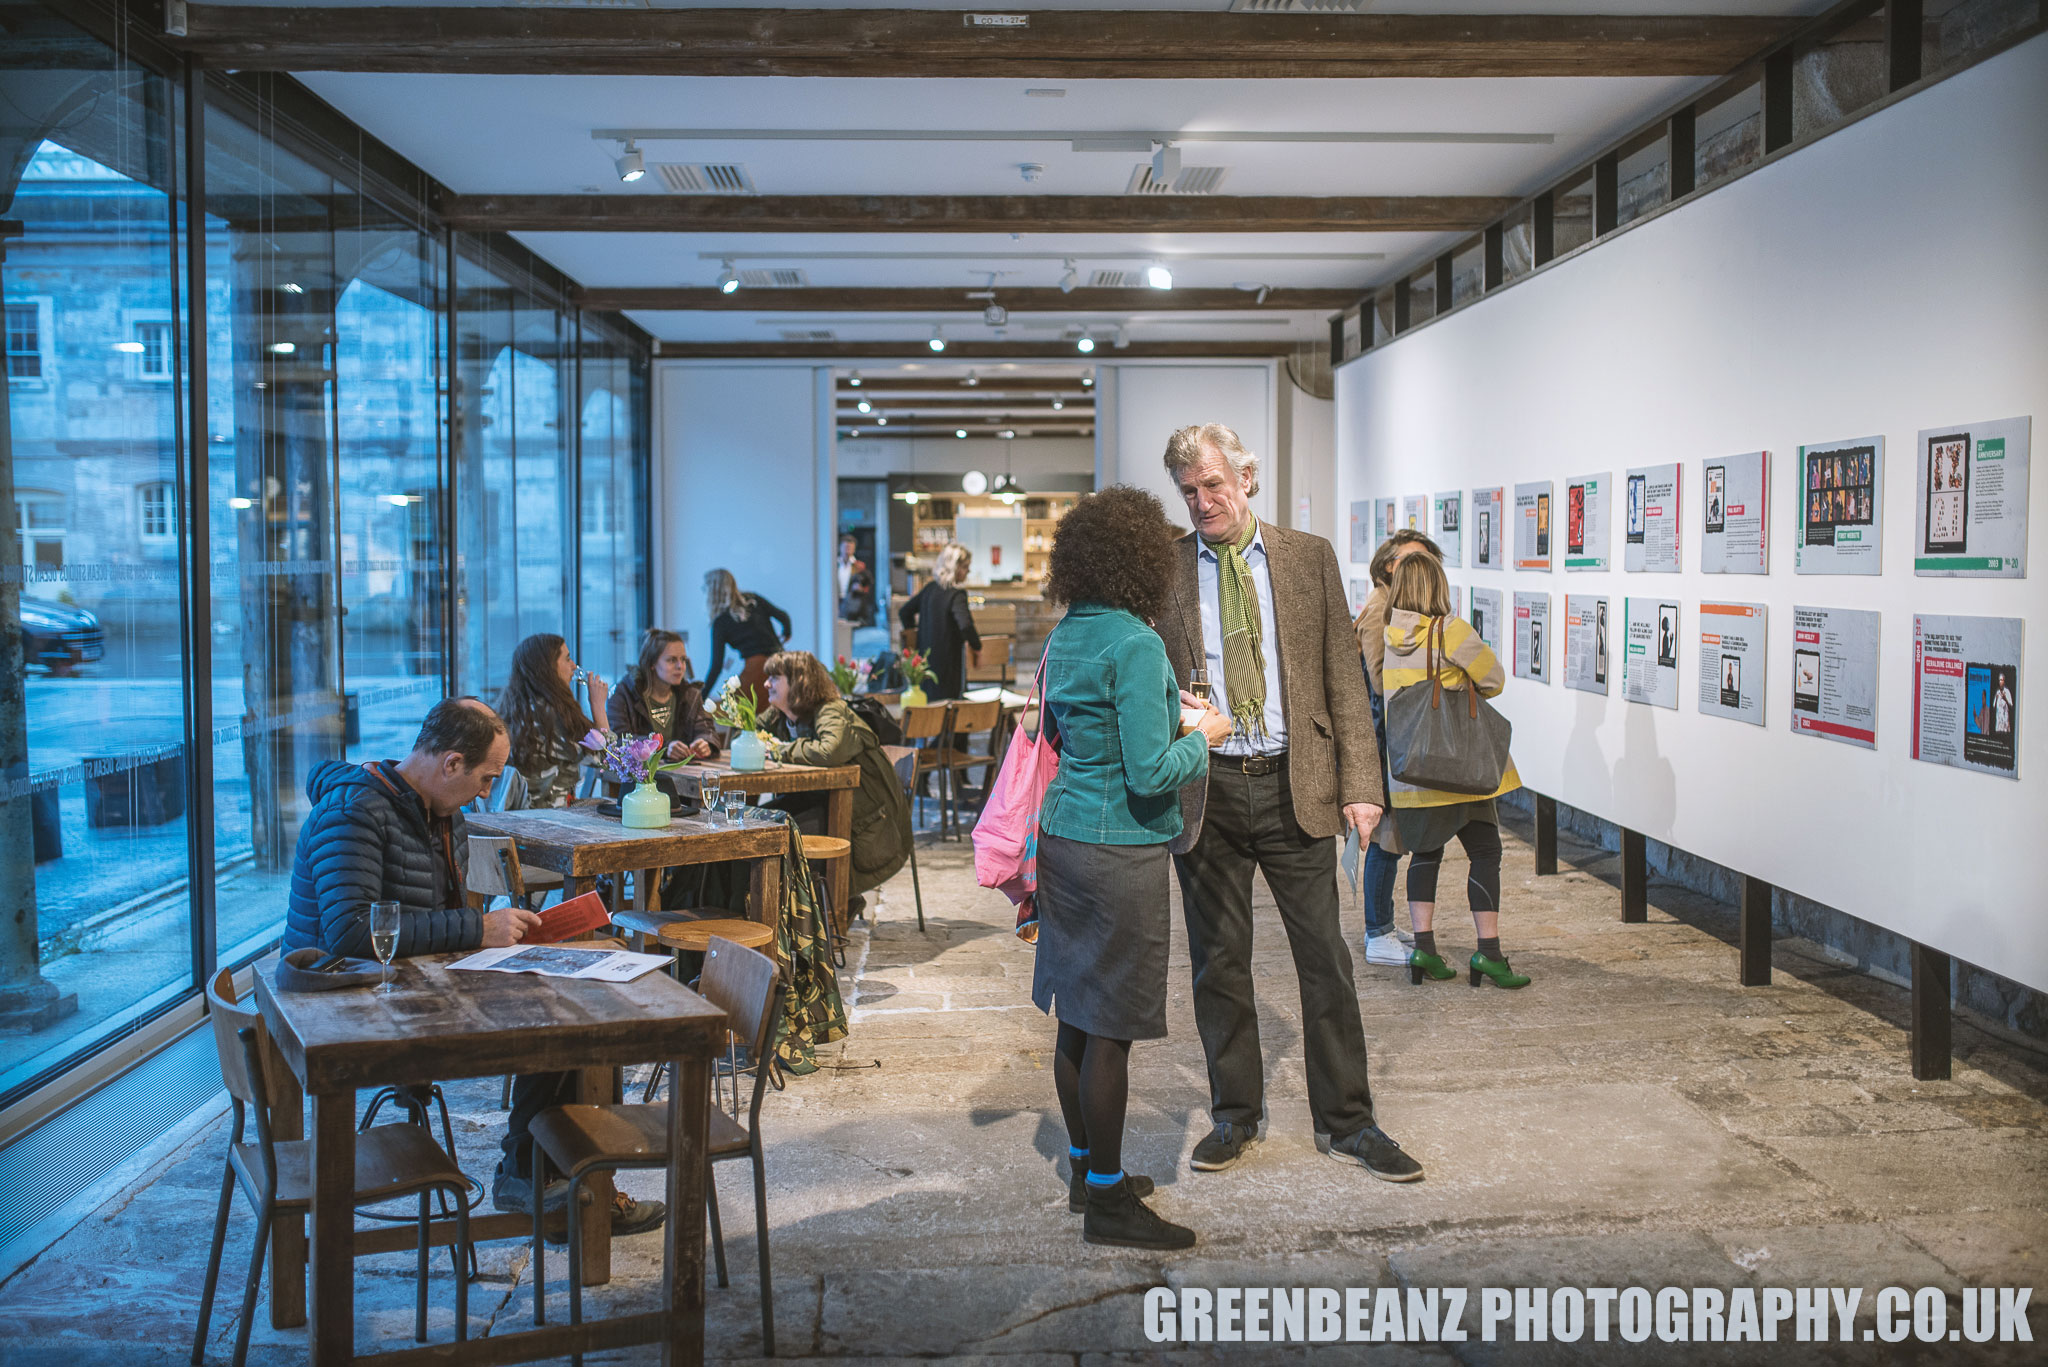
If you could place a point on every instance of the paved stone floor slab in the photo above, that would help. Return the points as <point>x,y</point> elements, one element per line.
<point>1632,1118</point>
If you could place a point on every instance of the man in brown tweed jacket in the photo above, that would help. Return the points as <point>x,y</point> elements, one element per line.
<point>1262,608</point>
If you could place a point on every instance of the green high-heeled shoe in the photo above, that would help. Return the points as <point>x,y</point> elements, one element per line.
<point>1498,970</point>
<point>1420,963</point>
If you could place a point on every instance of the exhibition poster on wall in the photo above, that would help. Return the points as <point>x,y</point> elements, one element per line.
<point>1382,523</point>
<point>1966,692</point>
<point>1361,532</point>
<point>1841,507</point>
<point>1649,662</point>
<point>1732,661</point>
<point>1448,525</point>
<point>1486,610</point>
<point>1489,533</point>
<point>1415,513</point>
<point>1972,503</point>
<point>1736,498</point>
<point>1585,643</point>
<point>1532,526</point>
<point>1834,674</point>
<point>1585,522</point>
<point>1457,601</point>
<point>1532,636</point>
<point>1651,528</point>
<point>1361,589</point>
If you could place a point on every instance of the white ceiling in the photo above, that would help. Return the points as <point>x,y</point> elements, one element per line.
<point>481,134</point>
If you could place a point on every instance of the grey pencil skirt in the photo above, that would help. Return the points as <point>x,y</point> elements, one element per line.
<point>1102,935</point>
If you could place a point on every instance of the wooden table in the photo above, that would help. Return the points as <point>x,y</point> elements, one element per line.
<point>439,1025</point>
<point>837,782</point>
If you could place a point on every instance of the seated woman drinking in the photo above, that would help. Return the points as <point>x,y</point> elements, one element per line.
<point>658,697</point>
<point>543,719</point>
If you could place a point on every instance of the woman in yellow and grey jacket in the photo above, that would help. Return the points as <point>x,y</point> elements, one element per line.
<point>1426,818</point>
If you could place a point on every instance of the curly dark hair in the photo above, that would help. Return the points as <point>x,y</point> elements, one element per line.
<point>1115,548</point>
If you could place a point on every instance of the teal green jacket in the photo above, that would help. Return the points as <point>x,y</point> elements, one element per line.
<point>1113,704</point>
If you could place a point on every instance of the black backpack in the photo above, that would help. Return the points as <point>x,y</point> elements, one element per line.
<point>871,711</point>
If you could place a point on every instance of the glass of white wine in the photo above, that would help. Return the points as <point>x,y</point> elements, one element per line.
<point>384,939</point>
<point>710,796</point>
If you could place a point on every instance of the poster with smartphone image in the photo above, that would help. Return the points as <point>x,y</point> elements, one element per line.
<point>1382,522</point>
<point>1841,508</point>
<point>1971,486</point>
<point>1736,499</point>
<point>1732,661</point>
<point>1585,522</point>
<point>1585,643</point>
<point>1488,531</point>
<point>1649,661</point>
<point>1415,513</point>
<point>1834,674</point>
<point>1486,616</point>
<point>1447,525</point>
<point>1532,526</point>
<point>1654,493</point>
<point>1966,692</point>
<point>1532,636</point>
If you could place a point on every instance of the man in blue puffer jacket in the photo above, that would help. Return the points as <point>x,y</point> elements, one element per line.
<point>393,831</point>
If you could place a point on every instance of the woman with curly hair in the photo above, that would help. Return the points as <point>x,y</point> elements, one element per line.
<point>1112,707</point>
<point>543,720</point>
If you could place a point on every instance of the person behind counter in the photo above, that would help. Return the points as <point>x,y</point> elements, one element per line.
<point>945,627</point>
<point>543,719</point>
<point>751,625</point>
<point>657,697</point>
<point>815,726</point>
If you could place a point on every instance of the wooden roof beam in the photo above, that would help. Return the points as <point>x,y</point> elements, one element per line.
<point>1081,301</point>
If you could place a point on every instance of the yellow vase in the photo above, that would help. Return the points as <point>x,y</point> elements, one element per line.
<point>914,697</point>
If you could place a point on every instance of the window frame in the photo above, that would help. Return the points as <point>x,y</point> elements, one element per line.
<point>44,326</point>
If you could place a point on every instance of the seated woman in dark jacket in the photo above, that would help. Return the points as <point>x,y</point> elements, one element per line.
<point>542,717</point>
<point>819,728</point>
<point>751,625</point>
<point>657,698</point>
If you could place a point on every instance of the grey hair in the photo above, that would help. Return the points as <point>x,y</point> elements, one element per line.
<point>952,566</point>
<point>1191,445</point>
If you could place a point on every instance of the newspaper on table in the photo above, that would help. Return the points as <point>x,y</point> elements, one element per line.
<point>564,961</point>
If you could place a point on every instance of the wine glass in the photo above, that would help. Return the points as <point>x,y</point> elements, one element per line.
<point>384,939</point>
<point>710,794</point>
<point>1198,682</point>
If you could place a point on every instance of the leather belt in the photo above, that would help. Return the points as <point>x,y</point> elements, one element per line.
<point>1251,765</point>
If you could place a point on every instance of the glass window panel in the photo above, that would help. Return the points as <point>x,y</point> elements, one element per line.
<point>1728,136</point>
<point>1642,181</point>
<point>487,598</point>
<point>1954,32</point>
<point>539,366</point>
<point>613,573</point>
<point>93,856</point>
<point>1571,223</point>
<point>1422,295</point>
<point>271,289</point>
<point>1468,274</point>
<point>1518,244</point>
<point>1382,316</point>
<point>1838,76</point>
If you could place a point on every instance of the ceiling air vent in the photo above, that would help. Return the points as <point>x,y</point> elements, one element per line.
<point>1299,6</point>
<point>705,178</point>
<point>1192,180</point>
<point>780,278</point>
<point>807,335</point>
<point>1116,280</point>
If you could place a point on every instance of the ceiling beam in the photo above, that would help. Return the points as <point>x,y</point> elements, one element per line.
<point>1061,44</point>
<point>1061,386</point>
<point>1043,300</point>
<point>968,351</point>
<point>633,213</point>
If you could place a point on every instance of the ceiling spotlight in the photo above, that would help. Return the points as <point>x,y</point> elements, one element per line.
<point>972,380</point>
<point>1086,344</point>
<point>292,287</point>
<point>1088,381</point>
<point>1260,297</point>
<point>865,407</point>
<point>1070,279</point>
<point>1058,404</point>
<point>284,348</point>
<point>959,431</point>
<point>1165,164</point>
<point>632,165</point>
<point>1123,337</point>
<point>855,380</point>
<point>729,280</point>
<point>938,341</point>
<point>1007,433</point>
<point>995,315</point>
<point>1158,276</point>
<point>881,422</point>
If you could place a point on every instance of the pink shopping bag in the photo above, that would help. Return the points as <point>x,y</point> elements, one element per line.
<point>1006,833</point>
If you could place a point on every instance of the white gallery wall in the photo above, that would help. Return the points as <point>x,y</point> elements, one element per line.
<point>1891,277</point>
<point>743,479</point>
<point>1139,404</point>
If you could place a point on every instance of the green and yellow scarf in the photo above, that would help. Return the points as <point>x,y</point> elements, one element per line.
<point>1237,613</point>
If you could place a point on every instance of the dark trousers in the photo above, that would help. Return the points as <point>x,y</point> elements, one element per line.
<point>1250,825</point>
<point>532,1093</point>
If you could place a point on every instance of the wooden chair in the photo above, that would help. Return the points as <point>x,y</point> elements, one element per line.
<point>904,759</point>
<point>580,1140</point>
<point>495,871</point>
<point>970,719</point>
<point>276,1176</point>
<point>924,730</point>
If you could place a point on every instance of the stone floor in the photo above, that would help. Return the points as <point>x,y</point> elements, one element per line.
<point>1632,1119</point>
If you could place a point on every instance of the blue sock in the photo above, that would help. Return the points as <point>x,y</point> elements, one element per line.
<point>1077,1157</point>
<point>1105,1179</point>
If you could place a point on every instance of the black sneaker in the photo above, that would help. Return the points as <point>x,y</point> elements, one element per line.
<point>1223,1146</point>
<point>1116,1216</point>
<point>635,1217</point>
<point>1077,1188</point>
<point>1382,1157</point>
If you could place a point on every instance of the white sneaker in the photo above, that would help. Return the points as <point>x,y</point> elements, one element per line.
<point>1386,949</point>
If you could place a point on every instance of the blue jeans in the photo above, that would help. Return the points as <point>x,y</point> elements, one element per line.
<point>1381,868</point>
